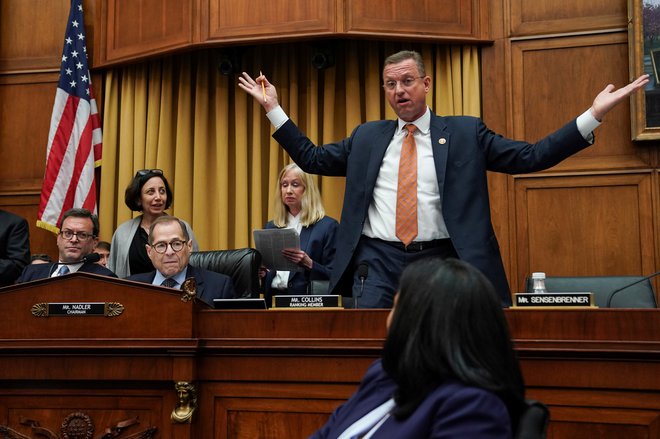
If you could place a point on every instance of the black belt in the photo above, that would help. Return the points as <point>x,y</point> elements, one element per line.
<point>418,246</point>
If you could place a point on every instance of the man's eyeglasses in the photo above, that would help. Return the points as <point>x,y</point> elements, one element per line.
<point>161,247</point>
<point>82,236</point>
<point>405,83</point>
<point>143,172</point>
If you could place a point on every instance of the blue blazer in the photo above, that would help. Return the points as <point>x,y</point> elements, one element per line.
<point>43,271</point>
<point>318,241</point>
<point>452,410</point>
<point>469,150</point>
<point>210,285</point>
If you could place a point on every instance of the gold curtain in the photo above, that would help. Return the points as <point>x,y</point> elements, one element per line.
<point>214,143</point>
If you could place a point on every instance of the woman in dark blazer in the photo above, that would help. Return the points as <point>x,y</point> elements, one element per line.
<point>298,206</point>
<point>448,368</point>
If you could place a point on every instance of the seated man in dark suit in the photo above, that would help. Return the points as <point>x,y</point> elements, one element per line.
<point>77,238</point>
<point>169,249</point>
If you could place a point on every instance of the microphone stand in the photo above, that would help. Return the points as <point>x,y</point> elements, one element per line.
<point>613,293</point>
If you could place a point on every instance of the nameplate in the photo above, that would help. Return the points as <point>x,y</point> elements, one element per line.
<point>77,309</point>
<point>554,299</point>
<point>307,302</point>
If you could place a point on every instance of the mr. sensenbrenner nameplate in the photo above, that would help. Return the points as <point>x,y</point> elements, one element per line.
<point>554,300</point>
<point>307,302</point>
<point>79,309</point>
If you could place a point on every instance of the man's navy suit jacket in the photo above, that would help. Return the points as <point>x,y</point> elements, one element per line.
<point>210,285</point>
<point>463,150</point>
<point>452,410</point>
<point>318,241</point>
<point>14,247</point>
<point>43,271</point>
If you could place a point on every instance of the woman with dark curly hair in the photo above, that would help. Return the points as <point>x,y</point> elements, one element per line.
<point>149,193</point>
<point>448,368</point>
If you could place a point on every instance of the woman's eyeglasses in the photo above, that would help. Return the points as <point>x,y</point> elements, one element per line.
<point>143,172</point>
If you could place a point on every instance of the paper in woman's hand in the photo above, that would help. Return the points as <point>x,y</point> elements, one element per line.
<point>271,242</point>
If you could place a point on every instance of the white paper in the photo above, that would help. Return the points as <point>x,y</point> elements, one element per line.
<point>271,242</point>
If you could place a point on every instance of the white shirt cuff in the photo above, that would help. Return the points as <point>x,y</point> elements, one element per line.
<point>586,124</point>
<point>277,117</point>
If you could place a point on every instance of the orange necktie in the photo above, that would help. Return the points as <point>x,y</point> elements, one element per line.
<point>406,194</point>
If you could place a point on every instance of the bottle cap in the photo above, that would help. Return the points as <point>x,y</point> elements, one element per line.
<point>538,275</point>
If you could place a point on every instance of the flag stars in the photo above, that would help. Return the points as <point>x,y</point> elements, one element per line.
<point>68,72</point>
<point>87,91</point>
<point>84,78</point>
<point>74,23</point>
<point>64,58</point>
<point>79,65</point>
<point>68,40</point>
<point>74,54</point>
<point>72,84</point>
<point>81,37</point>
<point>80,8</point>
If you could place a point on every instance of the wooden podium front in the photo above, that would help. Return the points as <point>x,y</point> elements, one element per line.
<point>279,374</point>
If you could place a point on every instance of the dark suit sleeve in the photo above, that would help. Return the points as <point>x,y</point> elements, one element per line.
<point>321,266</point>
<point>516,157</point>
<point>330,159</point>
<point>16,253</point>
<point>228,291</point>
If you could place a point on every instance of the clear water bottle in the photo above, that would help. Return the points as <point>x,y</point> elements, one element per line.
<point>538,283</point>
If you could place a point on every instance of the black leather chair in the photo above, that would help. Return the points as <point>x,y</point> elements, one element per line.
<point>533,423</point>
<point>242,265</point>
<point>639,295</point>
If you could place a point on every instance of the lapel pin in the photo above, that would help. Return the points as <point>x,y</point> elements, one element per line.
<point>442,140</point>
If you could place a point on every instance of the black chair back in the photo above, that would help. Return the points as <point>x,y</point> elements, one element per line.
<point>533,423</point>
<point>242,265</point>
<point>640,295</point>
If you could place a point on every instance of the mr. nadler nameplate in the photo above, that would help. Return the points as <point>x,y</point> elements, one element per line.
<point>554,299</point>
<point>69,309</point>
<point>307,302</point>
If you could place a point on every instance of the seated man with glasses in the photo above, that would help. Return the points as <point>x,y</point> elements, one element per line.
<point>169,249</point>
<point>77,238</point>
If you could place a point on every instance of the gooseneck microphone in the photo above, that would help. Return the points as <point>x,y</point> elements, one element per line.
<point>92,257</point>
<point>363,272</point>
<point>615,292</point>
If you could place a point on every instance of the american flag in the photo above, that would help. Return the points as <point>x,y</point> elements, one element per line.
<point>74,140</point>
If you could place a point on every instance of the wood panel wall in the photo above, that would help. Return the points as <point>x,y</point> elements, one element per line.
<point>597,212</point>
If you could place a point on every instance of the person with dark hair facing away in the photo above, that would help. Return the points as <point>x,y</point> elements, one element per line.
<point>14,247</point>
<point>448,368</point>
<point>149,193</point>
<point>169,248</point>
<point>77,238</point>
<point>416,187</point>
<point>298,206</point>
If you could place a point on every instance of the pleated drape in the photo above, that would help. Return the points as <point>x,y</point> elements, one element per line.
<point>179,114</point>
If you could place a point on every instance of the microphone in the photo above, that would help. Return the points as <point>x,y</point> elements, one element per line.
<point>363,272</point>
<point>615,292</point>
<point>92,257</point>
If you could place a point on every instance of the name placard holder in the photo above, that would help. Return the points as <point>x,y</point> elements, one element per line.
<point>79,309</point>
<point>554,300</point>
<point>307,302</point>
